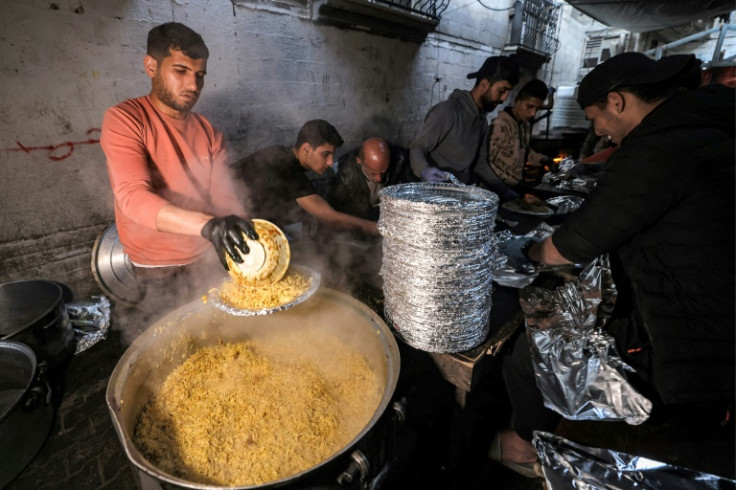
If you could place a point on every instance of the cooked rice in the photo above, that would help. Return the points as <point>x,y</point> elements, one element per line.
<point>253,412</point>
<point>244,296</point>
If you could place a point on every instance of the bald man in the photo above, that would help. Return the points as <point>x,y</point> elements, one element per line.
<point>363,172</point>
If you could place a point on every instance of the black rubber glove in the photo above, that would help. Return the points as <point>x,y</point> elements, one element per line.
<point>226,234</point>
<point>516,249</point>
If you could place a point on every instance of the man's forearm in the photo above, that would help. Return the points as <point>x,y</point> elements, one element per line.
<point>493,183</point>
<point>417,160</point>
<point>173,219</point>
<point>316,206</point>
<point>545,252</point>
<point>349,222</point>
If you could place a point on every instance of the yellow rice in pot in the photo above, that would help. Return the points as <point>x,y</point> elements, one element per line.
<point>253,412</point>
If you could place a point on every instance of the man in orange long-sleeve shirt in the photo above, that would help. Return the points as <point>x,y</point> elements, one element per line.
<point>167,165</point>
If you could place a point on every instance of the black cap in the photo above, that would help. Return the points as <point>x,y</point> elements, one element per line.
<point>500,68</point>
<point>637,69</point>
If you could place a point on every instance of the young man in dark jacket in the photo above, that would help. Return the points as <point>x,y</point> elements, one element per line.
<point>279,188</point>
<point>664,208</point>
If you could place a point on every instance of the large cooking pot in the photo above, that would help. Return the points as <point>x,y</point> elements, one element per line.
<point>33,312</point>
<point>162,347</point>
<point>26,413</point>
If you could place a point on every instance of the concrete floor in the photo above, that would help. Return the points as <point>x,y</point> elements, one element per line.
<point>440,446</point>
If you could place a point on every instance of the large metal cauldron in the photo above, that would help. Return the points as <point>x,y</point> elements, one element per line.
<point>157,351</point>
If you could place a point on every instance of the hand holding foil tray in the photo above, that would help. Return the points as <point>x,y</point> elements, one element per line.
<point>577,367</point>
<point>505,272</point>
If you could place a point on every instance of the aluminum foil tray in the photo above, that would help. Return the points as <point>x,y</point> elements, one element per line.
<point>312,274</point>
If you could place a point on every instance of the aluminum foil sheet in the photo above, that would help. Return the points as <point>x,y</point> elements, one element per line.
<point>314,283</point>
<point>576,363</point>
<point>437,272</point>
<point>90,321</point>
<point>565,204</point>
<point>566,465</point>
<point>564,178</point>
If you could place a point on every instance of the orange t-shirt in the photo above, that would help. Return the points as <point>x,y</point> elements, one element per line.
<point>146,151</point>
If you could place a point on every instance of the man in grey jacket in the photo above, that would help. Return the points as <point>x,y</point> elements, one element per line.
<point>452,135</point>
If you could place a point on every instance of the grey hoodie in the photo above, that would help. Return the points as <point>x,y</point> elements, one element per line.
<point>451,136</point>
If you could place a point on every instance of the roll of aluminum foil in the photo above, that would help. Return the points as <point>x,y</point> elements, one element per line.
<point>438,245</point>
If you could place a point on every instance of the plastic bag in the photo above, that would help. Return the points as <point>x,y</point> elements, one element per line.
<point>576,363</point>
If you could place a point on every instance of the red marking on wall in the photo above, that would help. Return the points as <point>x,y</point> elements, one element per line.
<point>68,146</point>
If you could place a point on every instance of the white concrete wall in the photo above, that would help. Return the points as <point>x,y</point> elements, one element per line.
<point>64,62</point>
<point>564,67</point>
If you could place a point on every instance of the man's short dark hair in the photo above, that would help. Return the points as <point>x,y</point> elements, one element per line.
<point>173,35</point>
<point>317,132</point>
<point>533,88</point>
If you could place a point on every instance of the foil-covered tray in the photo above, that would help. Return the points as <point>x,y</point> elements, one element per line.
<point>531,208</point>
<point>565,204</point>
<point>314,277</point>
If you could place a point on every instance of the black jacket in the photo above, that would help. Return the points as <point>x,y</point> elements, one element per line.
<point>665,204</point>
<point>274,180</point>
<point>349,193</point>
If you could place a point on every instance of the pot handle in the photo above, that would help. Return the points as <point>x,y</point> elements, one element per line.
<point>40,393</point>
<point>357,470</point>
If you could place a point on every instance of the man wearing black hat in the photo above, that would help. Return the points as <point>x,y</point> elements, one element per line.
<point>663,207</point>
<point>452,135</point>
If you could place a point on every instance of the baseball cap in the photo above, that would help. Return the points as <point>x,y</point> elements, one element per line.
<point>499,67</point>
<point>637,69</point>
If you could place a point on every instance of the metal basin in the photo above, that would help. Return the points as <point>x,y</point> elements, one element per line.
<point>162,347</point>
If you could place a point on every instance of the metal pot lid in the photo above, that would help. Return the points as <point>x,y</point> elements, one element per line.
<point>112,268</point>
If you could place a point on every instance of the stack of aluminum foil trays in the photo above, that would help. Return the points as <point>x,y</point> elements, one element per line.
<point>438,247</point>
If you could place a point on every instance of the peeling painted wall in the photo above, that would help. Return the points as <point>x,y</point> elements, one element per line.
<point>64,62</point>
